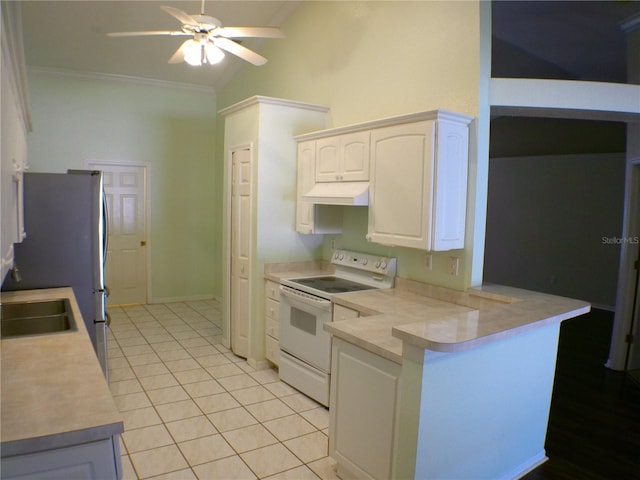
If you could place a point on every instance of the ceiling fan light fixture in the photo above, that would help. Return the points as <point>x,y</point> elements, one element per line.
<point>192,52</point>
<point>213,54</point>
<point>210,40</point>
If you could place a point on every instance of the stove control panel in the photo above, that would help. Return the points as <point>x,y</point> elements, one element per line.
<point>364,261</point>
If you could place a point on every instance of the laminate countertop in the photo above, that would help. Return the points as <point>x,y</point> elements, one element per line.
<point>54,393</point>
<point>440,319</point>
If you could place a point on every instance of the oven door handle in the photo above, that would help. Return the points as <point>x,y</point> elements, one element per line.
<point>305,298</point>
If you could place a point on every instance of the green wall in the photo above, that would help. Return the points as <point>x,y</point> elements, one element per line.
<point>369,60</point>
<point>363,60</point>
<point>172,131</point>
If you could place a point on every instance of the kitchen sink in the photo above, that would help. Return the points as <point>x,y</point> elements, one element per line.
<point>36,318</point>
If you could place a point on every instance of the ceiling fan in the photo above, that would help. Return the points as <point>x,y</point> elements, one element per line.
<point>209,39</point>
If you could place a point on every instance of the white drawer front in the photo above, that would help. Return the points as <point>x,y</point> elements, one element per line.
<point>272,309</point>
<point>272,290</point>
<point>273,328</point>
<point>273,350</point>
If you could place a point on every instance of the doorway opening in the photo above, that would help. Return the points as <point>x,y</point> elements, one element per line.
<point>126,274</point>
<point>555,205</point>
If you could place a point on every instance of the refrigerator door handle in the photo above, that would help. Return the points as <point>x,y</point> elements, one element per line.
<point>107,320</point>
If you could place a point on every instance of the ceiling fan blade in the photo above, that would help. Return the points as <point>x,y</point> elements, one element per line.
<point>180,15</point>
<point>178,55</point>
<point>149,32</point>
<point>240,51</point>
<point>246,32</point>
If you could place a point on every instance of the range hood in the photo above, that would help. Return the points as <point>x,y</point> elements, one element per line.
<point>339,193</point>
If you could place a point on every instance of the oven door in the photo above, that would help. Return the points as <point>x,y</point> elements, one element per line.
<point>302,317</point>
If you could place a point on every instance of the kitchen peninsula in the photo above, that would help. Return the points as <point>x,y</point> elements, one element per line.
<point>442,383</point>
<point>57,410</point>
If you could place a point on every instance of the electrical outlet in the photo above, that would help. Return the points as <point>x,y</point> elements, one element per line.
<point>428,261</point>
<point>454,265</point>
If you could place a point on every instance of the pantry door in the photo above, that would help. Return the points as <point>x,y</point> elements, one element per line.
<point>126,266</point>
<point>241,297</point>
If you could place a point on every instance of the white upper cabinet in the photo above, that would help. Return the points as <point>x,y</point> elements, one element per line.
<point>306,179</point>
<point>418,190</point>
<point>16,124</point>
<point>343,158</point>
<point>415,167</point>
<point>312,218</point>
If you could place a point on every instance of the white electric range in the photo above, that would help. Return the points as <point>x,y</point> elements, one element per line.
<point>306,304</point>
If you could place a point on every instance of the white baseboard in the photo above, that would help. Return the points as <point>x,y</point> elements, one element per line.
<point>526,467</point>
<point>191,298</point>
<point>259,364</point>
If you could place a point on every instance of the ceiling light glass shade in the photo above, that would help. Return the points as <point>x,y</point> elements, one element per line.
<point>214,54</point>
<point>192,52</point>
<point>197,52</point>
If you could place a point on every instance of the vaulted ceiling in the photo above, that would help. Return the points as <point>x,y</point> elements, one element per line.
<point>71,35</point>
<point>580,40</point>
<point>574,40</point>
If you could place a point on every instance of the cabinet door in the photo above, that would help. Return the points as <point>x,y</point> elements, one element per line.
<point>272,321</point>
<point>362,417</point>
<point>400,200</point>
<point>310,218</point>
<point>306,180</point>
<point>328,159</point>
<point>91,461</point>
<point>14,161</point>
<point>354,149</point>
<point>450,196</point>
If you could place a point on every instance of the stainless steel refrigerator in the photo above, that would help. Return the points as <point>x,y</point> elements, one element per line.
<point>65,221</point>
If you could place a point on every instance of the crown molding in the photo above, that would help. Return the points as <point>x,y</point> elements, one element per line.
<point>256,99</point>
<point>12,54</point>
<point>109,77</point>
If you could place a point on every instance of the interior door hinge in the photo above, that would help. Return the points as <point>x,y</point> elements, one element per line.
<point>629,338</point>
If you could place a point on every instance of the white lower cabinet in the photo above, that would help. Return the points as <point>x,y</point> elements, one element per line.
<point>99,460</point>
<point>363,413</point>
<point>272,321</point>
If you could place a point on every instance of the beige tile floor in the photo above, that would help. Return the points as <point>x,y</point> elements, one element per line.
<point>194,410</point>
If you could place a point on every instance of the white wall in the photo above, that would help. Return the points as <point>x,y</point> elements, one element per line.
<point>78,119</point>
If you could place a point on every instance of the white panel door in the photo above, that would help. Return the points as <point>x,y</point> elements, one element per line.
<point>241,251</point>
<point>126,266</point>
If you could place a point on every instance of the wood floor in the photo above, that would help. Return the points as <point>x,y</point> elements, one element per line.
<point>594,424</point>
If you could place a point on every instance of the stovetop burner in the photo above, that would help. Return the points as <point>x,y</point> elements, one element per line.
<point>331,284</point>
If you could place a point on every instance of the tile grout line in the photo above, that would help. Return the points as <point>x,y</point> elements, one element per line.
<point>203,318</point>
